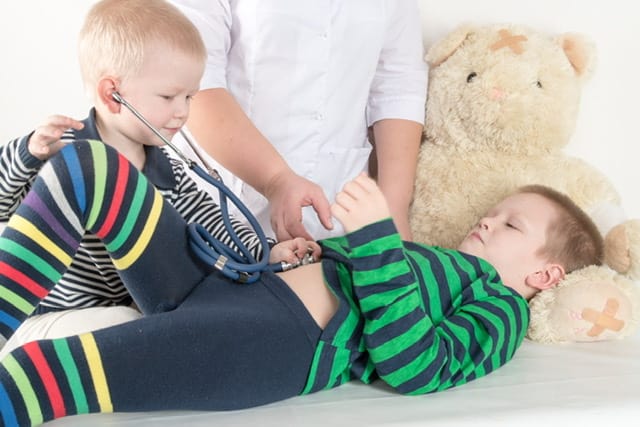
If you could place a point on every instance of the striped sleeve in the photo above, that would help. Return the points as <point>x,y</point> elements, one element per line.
<point>401,295</point>
<point>197,206</point>
<point>18,169</point>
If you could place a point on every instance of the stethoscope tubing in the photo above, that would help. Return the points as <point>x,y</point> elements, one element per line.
<point>242,267</point>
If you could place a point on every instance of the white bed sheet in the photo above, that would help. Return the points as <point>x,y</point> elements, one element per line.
<point>594,384</point>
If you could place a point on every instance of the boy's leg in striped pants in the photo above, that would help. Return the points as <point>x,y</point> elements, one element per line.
<point>89,186</point>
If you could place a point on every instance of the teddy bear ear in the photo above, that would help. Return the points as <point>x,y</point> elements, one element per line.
<point>443,49</point>
<point>581,53</point>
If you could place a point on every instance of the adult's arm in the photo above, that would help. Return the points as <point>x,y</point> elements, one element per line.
<point>397,142</point>
<point>395,108</point>
<point>221,127</point>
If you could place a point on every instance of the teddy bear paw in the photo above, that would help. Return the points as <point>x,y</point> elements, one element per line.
<point>622,248</point>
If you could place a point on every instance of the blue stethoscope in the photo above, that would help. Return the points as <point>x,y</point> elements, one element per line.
<point>242,267</point>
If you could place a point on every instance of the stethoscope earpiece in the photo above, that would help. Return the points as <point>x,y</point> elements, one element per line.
<point>116,97</point>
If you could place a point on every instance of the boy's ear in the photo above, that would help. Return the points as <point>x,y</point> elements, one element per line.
<point>546,278</point>
<point>105,88</point>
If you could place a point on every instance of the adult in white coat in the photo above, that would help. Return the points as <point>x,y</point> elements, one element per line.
<point>291,89</point>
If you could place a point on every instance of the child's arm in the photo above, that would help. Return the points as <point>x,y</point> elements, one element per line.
<point>45,141</point>
<point>197,206</point>
<point>478,325</point>
<point>22,158</point>
<point>17,170</point>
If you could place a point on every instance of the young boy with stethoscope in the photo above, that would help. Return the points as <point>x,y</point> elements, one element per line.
<point>157,66</point>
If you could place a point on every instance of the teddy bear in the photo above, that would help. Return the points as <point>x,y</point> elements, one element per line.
<point>502,104</point>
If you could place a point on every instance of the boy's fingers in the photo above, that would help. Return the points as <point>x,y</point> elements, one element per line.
<point>366,182</point>
<point>315,248</point>
<point>338,211</point>
<point>345,200</point>
<point>65,122</point>
<point>354,189</point>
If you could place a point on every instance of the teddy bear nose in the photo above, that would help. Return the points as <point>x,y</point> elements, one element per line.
<point>496,93</point>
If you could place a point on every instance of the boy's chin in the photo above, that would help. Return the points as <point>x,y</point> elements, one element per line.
<point>470,247</point>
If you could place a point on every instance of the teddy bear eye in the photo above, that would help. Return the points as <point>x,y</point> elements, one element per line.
<point>539,84</point>
<point>471,77</point>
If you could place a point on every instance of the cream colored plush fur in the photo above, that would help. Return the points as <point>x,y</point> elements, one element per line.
<point>502,104</point>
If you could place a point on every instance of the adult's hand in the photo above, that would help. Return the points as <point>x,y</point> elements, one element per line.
<point>288,193</point>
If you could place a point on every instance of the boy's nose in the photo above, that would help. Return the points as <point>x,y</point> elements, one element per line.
<point>182,110</point>
<point>182,113</point>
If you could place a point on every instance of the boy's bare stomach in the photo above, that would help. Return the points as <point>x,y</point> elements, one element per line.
<point>307,282</point>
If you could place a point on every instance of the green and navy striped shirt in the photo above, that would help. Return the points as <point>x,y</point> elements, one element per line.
<point>421,318</point>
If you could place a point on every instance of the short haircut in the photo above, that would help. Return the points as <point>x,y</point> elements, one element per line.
<point>573,240</point>
<point>116,33</point>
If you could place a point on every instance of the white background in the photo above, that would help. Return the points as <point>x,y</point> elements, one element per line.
<point>40,74</point>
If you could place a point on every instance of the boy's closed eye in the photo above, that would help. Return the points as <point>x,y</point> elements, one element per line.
<point>516,223</point>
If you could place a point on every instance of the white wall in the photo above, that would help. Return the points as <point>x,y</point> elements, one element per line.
<point>40,75</point>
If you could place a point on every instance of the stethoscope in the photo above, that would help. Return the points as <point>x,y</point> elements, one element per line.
<point>241,267</point>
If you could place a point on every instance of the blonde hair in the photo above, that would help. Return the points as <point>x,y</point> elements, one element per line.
<point>573,240</point>
<point>116,33</point>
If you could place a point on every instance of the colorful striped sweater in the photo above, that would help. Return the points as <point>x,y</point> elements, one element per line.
<point>92,279</point>
<point>421,318</point>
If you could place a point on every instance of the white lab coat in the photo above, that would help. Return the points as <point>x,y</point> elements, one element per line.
<point>312,75</point>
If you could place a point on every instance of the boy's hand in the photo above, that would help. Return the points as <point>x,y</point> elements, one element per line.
<point>360,203</point>
<point>45,141</point>
<point>294,250</point>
